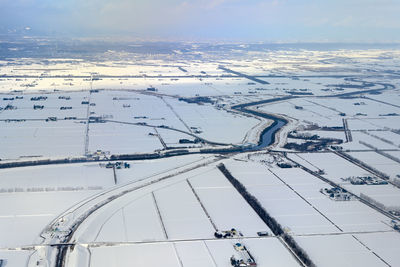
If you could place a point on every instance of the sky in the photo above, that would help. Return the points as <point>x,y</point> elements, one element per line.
<point>208,20</point>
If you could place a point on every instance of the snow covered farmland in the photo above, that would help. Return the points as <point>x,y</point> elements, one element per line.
<point>189,253</point>
<point>152,159</point>
<point>114,122</point>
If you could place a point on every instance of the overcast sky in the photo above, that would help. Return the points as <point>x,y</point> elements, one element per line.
<point>196,20</point>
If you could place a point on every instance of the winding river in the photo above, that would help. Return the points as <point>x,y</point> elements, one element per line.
<point>267,137</point>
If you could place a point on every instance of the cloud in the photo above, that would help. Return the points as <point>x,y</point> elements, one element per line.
<point>231,19</point>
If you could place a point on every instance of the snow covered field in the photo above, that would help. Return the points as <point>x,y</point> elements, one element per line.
<point>164,209</point>
<point>81,176</point>
<point>337,168</point>
<point>338,250</point>
<point>225,205</point>
<point>33,196</point>
<point>386,245</point>
<point>288,208</point>
<point>380,162</point>
<point>178,209</point>
<point>41,139</point>
<point>24,215</point>
<point>267,252</point>
<point>293,197</point>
